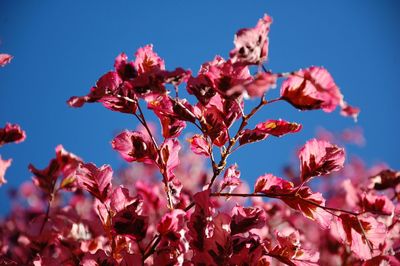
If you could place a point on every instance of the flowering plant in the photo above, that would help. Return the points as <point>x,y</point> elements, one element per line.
<point>167,208</point>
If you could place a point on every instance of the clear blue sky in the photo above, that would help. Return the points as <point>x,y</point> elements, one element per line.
<point>60,48</point>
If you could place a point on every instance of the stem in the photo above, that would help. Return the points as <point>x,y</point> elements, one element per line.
<point>245,118</point>
<point>365,236</point>
<point>149,245</point>
<point>46,218</point>
<point>280,196</point>
<point>153,247</point>
<point>217,168</point>
<point>161,165</point>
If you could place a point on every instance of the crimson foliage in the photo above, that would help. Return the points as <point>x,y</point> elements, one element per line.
<point>167,208</point>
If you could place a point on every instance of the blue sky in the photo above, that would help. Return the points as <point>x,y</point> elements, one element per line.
<point>62,47</point>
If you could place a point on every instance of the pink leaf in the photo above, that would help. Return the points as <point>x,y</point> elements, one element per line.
<point>275,128</point>
<point>95,180</point>
<point>251,44</point>
<point>245,219</point>
<point>278,128</point>
<point>385,179</point>
<point>307,202</point>
<point>348,110</point>
<point>364,235</point>
<point>290,252</point>
<point>130,222</point>
<point>11,133</point>
<point>199,145</point>
<point>4,164</point>
<point>311,88</point>
<point>318,157</point>
<point>147,60</point>
<point>269,183</point>
<point>231,178</point>
<point>377,204</point>
<point>5,59</point>
<point>261,84</point>
<point>134,146</point>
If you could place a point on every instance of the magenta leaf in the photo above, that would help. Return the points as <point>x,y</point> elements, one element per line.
<point>251,44</point>
<point>245,219</point>
<point>130,222</point>
<point>97,181</point>
<point>269,183</point>
<point>318,157</point>
<point>363,235</point>
<point>199,145</point>
<point>134,146</point>
<point>11,133</point>
<point>231,178</point>
<point>4,164</point>
<point>5,59</point>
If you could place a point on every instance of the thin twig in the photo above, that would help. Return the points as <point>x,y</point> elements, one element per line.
<point>161,165</point>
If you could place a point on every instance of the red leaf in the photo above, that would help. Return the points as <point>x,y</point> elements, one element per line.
<point>46,179</point>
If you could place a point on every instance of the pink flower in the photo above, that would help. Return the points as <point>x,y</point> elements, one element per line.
<point>318,157</point>
<point>251,44</point>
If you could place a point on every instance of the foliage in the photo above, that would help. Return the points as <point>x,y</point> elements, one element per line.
<point>168,208</point>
